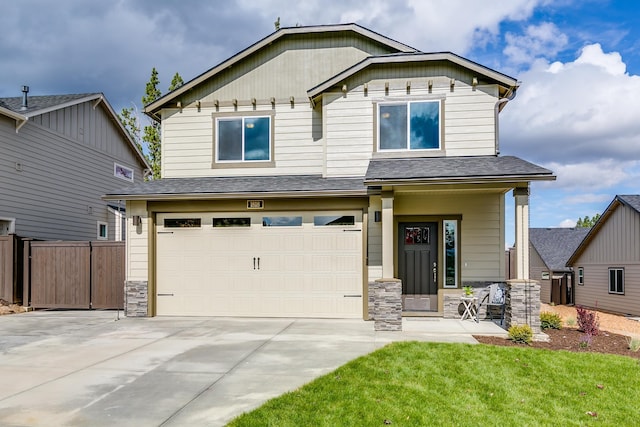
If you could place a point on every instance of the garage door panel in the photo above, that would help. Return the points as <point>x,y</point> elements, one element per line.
<point>304,270</point>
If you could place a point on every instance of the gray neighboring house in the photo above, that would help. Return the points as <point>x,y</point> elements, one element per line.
<point>58,155</point>
<point>607,261</point>
<point>550,249</point>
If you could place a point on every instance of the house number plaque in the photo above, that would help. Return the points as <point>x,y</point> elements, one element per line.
<point>255,204</point>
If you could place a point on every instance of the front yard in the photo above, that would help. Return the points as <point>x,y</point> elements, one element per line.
<point>419,384</point>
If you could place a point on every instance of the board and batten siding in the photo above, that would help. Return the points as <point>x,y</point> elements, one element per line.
<point>481,233</point>
<point>616,244</point>
<point>536,267</point>
<point>188,147</point>
<point>53,184</point>
<point>350,130</point>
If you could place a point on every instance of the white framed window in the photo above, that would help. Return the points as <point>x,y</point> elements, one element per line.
<point>580,276</point>
<point>450,230</point>
<point>409,125</point>
<point>616,280</point>
<point>243,139</point>
<point>7,226</point>
<point>122,172</point>
<point>102,230</point>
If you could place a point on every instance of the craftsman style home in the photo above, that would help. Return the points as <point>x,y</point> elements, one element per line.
<point>607,260</point>
<point>315,162</point>
<point>58,155</point>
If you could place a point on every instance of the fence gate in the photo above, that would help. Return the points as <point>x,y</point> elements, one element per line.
<point>75,274</point>
<point>10,256</point>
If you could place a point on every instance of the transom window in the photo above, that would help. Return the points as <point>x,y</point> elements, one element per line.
<point>409,125</point>
<point>616,280</point>
<point>243,139</point>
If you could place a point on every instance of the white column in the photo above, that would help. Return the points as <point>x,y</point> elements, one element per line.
<point>387,235</point>
<point>521,196</point>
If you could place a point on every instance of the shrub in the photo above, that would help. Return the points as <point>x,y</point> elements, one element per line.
<point>634,343</point>
<point>588,321</point>
<point>570,322</point>
<point>550,320</point>
<point>521,334</point>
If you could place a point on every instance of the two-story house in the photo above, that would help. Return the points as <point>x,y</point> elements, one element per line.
<point>316,161</point>
<point>58,155</point>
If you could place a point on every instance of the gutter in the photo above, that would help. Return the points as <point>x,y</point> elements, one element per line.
<point>225,196</point>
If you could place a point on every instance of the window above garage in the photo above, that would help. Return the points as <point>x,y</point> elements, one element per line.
<point>243,139</point>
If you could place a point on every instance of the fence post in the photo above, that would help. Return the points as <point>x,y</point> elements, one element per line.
<point>26,272</point>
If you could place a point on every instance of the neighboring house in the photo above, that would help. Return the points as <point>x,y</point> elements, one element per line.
<point>550,249</point>
<point>316,161</point>
<point>58,155</point>
<point>607,261</point>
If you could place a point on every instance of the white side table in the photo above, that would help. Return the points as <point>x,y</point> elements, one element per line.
<point>470,309</point>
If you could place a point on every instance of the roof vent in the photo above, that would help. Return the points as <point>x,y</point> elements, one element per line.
<point>25,91</point>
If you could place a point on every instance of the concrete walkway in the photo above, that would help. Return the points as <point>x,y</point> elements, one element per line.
<point>91,368</point>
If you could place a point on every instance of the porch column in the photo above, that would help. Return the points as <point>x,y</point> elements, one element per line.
<point>387,235</point>
<point>521,196</point>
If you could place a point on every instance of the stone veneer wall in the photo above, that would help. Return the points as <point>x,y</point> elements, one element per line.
<point>523,304</point>
<point>136,296</point>
<point>385,304</point>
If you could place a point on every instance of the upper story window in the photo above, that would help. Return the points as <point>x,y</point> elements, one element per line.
<point>410,125</point>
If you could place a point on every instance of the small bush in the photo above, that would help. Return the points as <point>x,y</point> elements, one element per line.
<point>570,322</point>
<point>550,320</point>
<point>588,321</point>
<point>521,334</point>
<point>634,343</point>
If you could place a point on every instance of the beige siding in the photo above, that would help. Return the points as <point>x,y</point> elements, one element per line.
<point>57,193</point>
<point>481,229</point>
<point>137,242</point>
<point>536,267</point>
<point>616,244</point>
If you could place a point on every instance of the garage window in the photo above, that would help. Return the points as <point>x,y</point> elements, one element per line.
<point>182,222</point>
<point>231,222</point>
<point>281,221</point>
<point>337,220</point>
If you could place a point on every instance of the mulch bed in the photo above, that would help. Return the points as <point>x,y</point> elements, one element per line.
<point>571,340</point>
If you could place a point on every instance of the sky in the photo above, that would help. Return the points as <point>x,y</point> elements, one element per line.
<point>577,111</point>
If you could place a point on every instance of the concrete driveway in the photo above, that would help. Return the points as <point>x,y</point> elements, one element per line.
<point>94,368</point>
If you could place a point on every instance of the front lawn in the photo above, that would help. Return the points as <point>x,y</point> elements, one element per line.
<point>428,384</point>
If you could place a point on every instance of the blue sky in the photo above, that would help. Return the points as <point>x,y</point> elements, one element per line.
<point>575,113</point>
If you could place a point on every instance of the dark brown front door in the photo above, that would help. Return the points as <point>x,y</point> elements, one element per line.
<point>418,265</point>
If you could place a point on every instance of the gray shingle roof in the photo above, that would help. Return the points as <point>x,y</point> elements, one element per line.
<point>36,103</point>
<point>219,186</point>
<point>631,200</point>
<point>556,245</point>
<point>453,168</point>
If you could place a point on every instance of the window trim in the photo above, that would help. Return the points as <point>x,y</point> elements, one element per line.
<point>228,164</point>
<point>123,172</point>
<point>99,225</point>
<point>615,291</point>
<point>407,101</point>
<point>581,276</point>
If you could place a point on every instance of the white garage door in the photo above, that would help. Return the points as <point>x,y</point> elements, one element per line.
<point>273,264</point>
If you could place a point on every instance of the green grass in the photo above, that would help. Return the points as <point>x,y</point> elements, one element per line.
<point>431,384</point>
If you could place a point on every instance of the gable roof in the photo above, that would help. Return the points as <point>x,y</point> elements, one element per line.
<point>37,105</point>
<point>153,107</point>
<point>632,201</point>
<point>509,83</point>
<point>454,169</point>
<point>555,245</point>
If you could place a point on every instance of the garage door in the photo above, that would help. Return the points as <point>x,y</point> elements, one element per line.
<point>291,264</point>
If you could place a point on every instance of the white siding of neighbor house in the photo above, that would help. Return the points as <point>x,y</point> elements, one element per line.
<point>481,230</point>
<point>616,244</point>
<point>57,193</point>
<point>536,267</point>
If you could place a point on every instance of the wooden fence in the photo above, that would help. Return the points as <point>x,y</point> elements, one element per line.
<point>10,271</point>
<point>74,274</point>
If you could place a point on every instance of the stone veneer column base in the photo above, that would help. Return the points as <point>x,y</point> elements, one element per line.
<point>136,294</point>
<point>386,295</point>
<point>523,305</point>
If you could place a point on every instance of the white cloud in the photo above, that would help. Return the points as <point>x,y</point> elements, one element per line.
<point>544,40</point>
<point>594,175</point>
<point>567,223</point>
<point>588,198</point>
<point>580,111</point>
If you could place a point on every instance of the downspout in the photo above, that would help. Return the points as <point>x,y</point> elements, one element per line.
<point>496,110</point>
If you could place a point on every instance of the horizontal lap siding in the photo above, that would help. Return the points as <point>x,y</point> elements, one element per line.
<point>616,244</point>
<point>57,195</point>
<point>536,267</point>
<point>137,242</point>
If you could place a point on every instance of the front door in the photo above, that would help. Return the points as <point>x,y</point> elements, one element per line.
<point>418,265</point>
